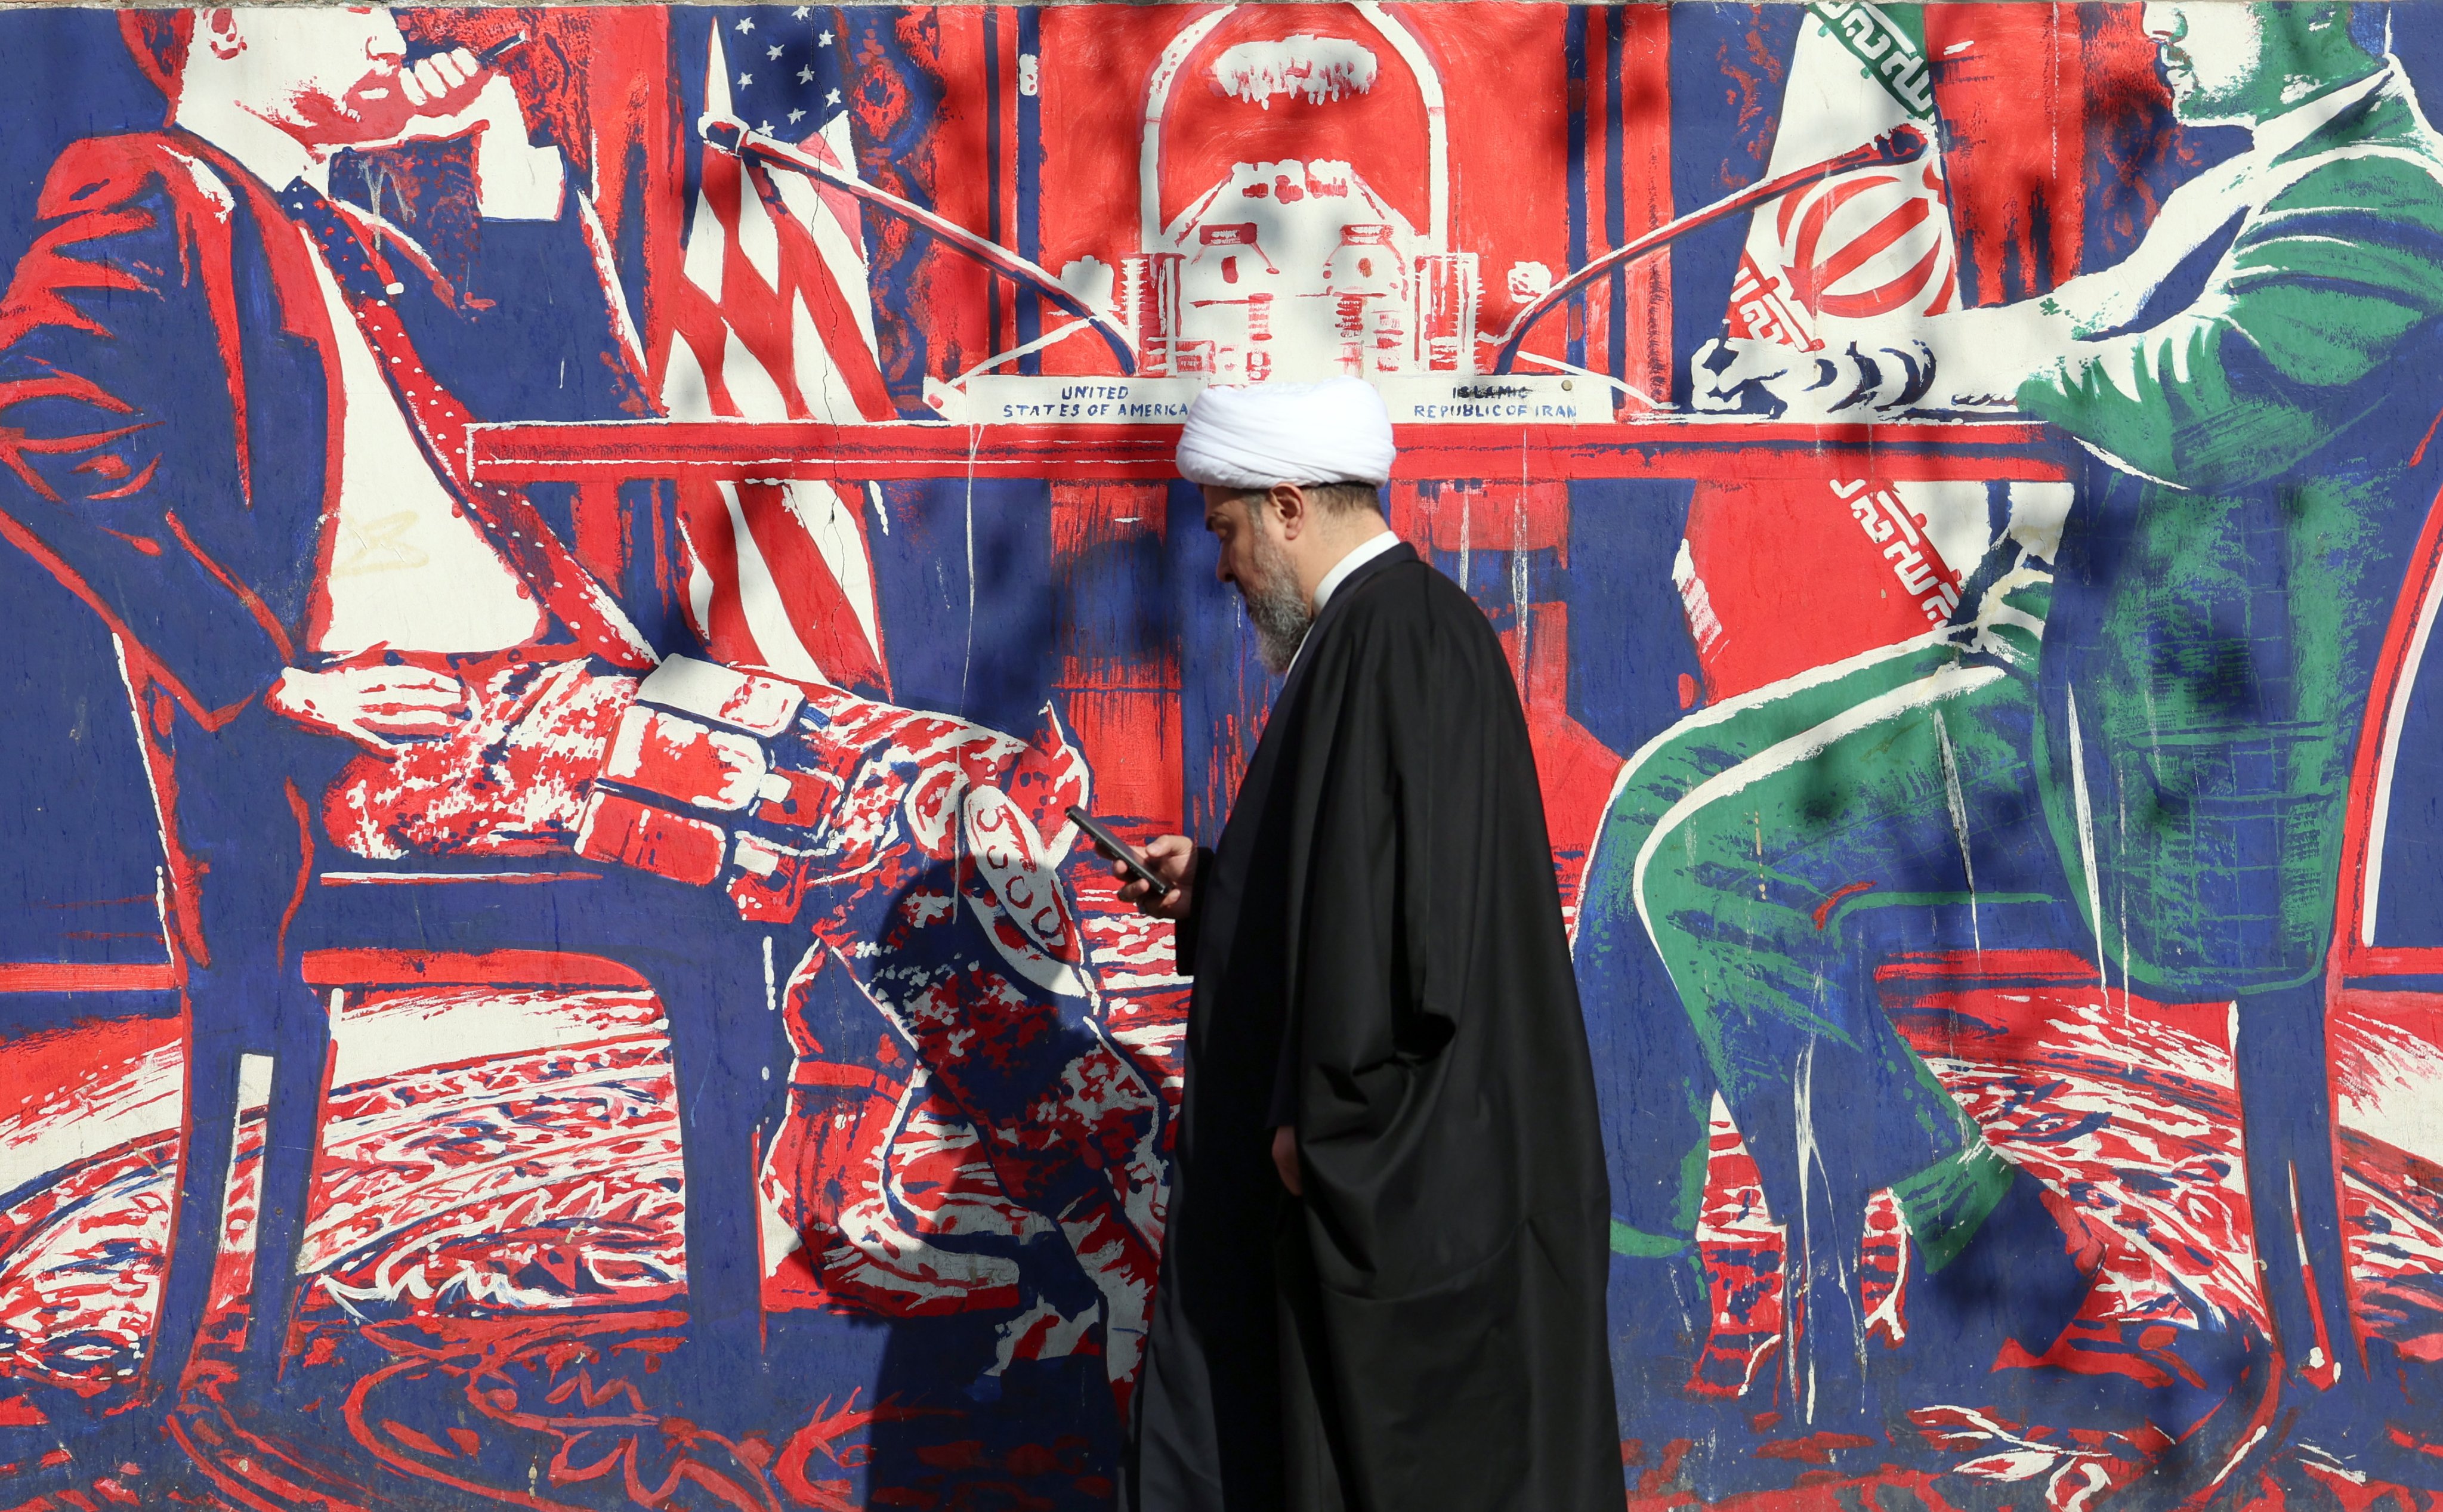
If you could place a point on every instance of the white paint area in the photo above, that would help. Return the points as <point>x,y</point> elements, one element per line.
<point>2393,1097</point>
<point>1954,516</point>
<point>390,1035</point>
<point>686,393</point>
<point>254,1082</point>
<point>119,1101</point>
<point>753,395</point>
<point>409,569</point>
<point>1316,69</point>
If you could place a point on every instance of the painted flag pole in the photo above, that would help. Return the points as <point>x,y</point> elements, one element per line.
<point>1903,143</point>
<point>732,135</point>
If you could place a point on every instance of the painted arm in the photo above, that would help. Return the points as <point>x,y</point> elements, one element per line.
<point>2324,291</point>
<point>124,427</point>
<point>1968,359</point>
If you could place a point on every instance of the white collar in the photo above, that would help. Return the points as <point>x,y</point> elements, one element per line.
<point>260,147</point>
<point>1358,556</point>
<point>2295,125</point>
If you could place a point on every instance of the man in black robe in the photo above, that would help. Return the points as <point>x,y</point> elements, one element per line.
<point>1382,1285</point>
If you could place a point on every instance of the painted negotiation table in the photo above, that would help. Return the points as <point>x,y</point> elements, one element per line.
<point>1653,448</point>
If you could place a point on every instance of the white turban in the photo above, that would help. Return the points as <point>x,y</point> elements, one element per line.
<point>1267,433</point>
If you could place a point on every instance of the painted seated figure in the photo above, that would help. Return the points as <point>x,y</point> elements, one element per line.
<point>234,416</point>
<point>2140,724</point>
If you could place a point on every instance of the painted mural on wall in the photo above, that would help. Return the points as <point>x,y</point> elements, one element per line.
<point>567,566</point>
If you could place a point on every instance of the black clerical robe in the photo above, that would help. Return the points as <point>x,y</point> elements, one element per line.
<point>1424,1329</point>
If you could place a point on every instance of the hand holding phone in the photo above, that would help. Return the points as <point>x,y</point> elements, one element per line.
<point>1159,880</point>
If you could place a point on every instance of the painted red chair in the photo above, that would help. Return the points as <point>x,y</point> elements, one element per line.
<point>2385,990</point>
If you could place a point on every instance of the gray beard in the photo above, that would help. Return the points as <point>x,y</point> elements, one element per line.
<point>1280,613</point>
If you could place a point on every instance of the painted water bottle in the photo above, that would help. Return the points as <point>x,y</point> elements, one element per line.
<point>1260,335</point>
<point>1147,298</point>
<point>1446,297</point>
<point>1364,279</point>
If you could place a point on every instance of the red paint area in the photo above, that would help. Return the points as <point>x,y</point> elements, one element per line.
<point>1756,620</point>
<point>680,759</point>
<point>1833,900</point>
<point>622,830</point>
<point>509,781</point>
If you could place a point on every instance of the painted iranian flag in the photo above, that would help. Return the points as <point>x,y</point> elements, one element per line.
<point>1875,243</point>
<point>1781,577</point>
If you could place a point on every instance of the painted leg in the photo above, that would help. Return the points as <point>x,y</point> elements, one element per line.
<point>2286,1141</point>
<point>1773,888</point>
<point>731,1065</point>
<point>1653,1078</point>
<point>292,1130</point>
<point>203,1185</point>
<point>2360,1417</point>
<point>1656,1095</point>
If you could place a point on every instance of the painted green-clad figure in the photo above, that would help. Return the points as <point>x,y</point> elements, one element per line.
<point>2137,735</point>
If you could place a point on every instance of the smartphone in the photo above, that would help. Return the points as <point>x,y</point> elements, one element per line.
<point>1120,850</point>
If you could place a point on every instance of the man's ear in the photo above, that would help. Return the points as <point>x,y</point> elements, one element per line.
<point>1290,502</point>
<point>220,33</point>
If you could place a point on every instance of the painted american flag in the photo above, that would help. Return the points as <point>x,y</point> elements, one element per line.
<point>772,318</point>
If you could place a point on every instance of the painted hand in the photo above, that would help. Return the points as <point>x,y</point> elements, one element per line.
<point>1285,1159</point>
<point>1850,380</point>
<point>448,91</point>
<point>454,95</point>
<point>375,706</point>
<point>1734,375</point>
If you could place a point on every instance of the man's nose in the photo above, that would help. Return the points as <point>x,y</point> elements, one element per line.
<point>384,43</point>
